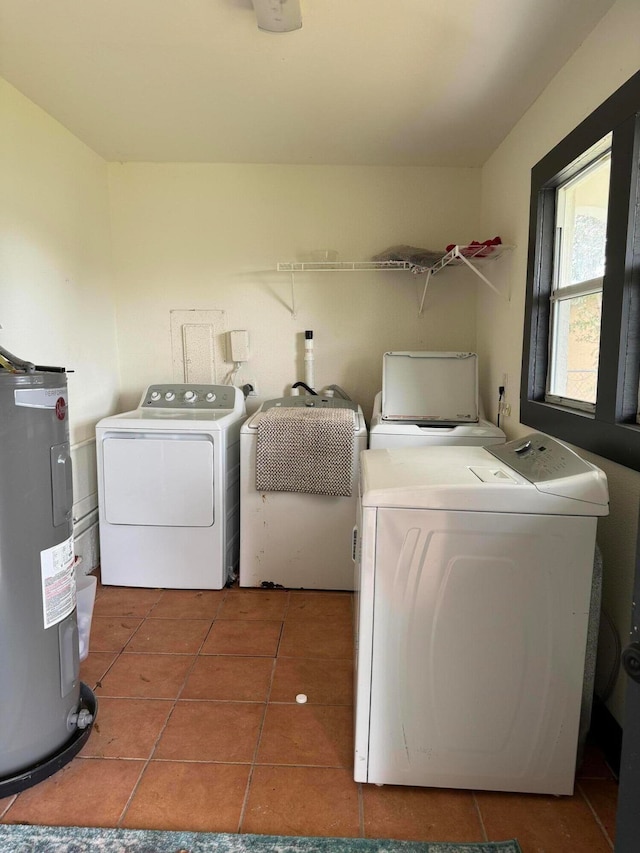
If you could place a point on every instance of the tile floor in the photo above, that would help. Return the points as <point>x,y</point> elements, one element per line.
<point>198,729</point>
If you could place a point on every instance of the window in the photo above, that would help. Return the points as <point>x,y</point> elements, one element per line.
<point>576,291</point>
<point>580,371</point>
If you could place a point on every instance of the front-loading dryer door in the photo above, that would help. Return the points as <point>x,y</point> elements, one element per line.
<point>161,479</point>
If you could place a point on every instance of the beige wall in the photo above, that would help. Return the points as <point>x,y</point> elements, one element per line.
<point>55,272</point>
<point>209,237</point>
<point>56,304</point>
<point>606,59</point>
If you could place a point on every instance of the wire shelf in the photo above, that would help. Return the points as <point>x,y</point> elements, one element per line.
<point>457,256</point>
<point>337,266</point>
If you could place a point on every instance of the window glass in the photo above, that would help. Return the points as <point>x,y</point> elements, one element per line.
<point>576,297</point>
<point>576,346</point>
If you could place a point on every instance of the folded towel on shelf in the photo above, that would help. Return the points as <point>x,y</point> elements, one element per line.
<point>305,450</point>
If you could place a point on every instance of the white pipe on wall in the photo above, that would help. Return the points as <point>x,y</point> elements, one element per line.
<point>309,371</point>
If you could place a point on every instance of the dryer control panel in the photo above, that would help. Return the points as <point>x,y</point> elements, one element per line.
<point>183,396</point>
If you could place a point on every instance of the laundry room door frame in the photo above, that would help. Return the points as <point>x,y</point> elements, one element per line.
<point>628,814</point>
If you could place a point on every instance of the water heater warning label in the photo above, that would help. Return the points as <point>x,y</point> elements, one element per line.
<point>58,582</point>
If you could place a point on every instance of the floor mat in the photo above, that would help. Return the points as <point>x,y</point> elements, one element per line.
<point>19,838</point>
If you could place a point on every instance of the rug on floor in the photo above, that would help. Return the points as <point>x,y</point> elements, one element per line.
<point>20,838</point>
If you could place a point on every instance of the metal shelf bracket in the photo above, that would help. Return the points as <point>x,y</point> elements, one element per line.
<point>462,255</point>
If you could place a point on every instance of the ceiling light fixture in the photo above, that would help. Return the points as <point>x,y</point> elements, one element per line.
<point>278,16</point>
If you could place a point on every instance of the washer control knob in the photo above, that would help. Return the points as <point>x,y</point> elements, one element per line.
<point>190,396</point>
<point>169,396</point>
<point>155,395</point>
<point>523,449</point>
<point>210,397</point>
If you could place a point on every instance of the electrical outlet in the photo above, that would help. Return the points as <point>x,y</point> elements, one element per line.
<point>504,408</point>
<point>254,389</point>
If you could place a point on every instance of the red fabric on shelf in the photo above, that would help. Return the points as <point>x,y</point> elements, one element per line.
<point>477,250</point>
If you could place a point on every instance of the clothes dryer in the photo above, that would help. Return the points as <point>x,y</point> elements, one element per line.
<point>289,538</point>
<point>168,488</point>
<point>473,584</point>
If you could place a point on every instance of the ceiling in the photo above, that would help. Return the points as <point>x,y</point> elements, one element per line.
<point>370,82</point>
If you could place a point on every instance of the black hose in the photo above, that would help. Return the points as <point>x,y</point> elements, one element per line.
<point>45,368</point>
<point>306,387</point>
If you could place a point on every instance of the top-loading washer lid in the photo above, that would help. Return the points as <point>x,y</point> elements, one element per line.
<point>474,479</point>
<point>430,387</point>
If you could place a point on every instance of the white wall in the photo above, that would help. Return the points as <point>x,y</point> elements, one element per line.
<point>209,237</point>
<point>56,305</point>
<point>606,59</point>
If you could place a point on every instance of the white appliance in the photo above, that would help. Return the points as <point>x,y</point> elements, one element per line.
<point>430,398</point>
<point>294,540</point>
<point>473,583</point>
<point>436,387</point>
<point>386,433</point>
<point>168,488</point>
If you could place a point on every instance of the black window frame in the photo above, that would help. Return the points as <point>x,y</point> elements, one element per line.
<point>611,431</point>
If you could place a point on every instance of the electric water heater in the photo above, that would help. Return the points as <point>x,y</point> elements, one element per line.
<point>41,704</point>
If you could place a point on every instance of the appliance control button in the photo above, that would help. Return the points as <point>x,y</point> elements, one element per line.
<point>210,397</point>
<point>523,449</point>
<point>155,395</point>
<point>190,396</point>
<point>169,396</point>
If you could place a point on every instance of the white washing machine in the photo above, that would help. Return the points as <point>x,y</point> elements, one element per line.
<point>473,580</point>
<point>430,398</point>
<point>294,540</point>
<point>387,433</point>
<point>168,488</point>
